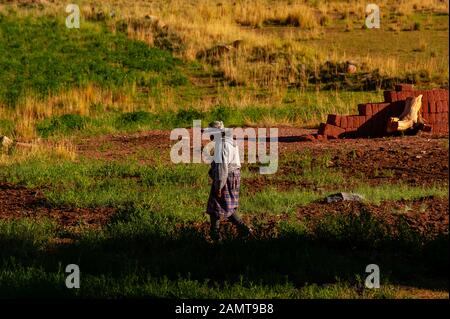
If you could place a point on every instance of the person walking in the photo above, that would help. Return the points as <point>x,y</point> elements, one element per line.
<point>225,173</point>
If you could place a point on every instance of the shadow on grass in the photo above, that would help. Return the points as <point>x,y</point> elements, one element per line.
<point>139,250</point>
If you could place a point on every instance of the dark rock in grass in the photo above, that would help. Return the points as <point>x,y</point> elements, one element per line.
<point>340,197</point>
<point>219,50</point>
<point>351,68</point>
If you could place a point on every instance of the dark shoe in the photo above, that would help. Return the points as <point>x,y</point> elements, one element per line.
<point>216,238</point>
<point>245,232</point>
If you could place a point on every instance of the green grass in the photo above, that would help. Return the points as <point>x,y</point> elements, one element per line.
<point>151,247</point>
<point>400,191</point>
<point>271,201</point>
<point>306,107</point>
<point>62,125</point>
<point>59,58</point>
<point>180,189</point>
<point>17,283</point>
<point>6,127</point>
<point>24,237</point>
<point>144,256</point>
<point>97,183</point>
<point>314,169</point>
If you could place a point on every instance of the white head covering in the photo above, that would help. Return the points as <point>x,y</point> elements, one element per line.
<point>217,124</point>
<point>215,127</point>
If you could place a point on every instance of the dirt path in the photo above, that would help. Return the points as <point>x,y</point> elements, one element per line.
<point>290,139</point>
<point>427,217</point>
<point>414,160</point>
<point>417,160</point>
<point>19,202</point>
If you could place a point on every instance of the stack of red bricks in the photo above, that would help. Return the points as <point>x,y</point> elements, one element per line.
<point>373,117</point>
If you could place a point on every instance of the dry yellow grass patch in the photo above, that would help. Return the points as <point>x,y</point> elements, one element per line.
<point>32,109</point>
<point>63,149</point>
<point>268,60</point>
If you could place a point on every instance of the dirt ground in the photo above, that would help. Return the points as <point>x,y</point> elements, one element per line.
<point>413,160</point>
<point>416,160</point>
<point>19,202</point>
<point>427,216</point>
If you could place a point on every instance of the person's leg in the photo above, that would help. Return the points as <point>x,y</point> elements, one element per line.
<point>236,220</point>
<point>214,229</point>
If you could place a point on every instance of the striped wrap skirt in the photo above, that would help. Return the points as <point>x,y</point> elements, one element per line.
<point>225,205</point>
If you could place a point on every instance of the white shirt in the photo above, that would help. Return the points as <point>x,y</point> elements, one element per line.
<point>226,160</point>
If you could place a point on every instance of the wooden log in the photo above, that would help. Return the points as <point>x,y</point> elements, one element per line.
<point>24,145</point>
<point>410,116</point>
<point>5,142</point>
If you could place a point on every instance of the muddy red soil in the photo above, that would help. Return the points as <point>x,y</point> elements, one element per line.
<point>428,217</point>
<point>423,154</point>
<point>18,202</point>
<point>118,147</point>
<point>415,160</point>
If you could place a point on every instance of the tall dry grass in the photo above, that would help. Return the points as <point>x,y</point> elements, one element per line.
<point>63,149</point>
<point>31,109</point>
<point>203,24</point>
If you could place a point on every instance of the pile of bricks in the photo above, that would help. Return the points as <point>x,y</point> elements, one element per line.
<point>373,117</point>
